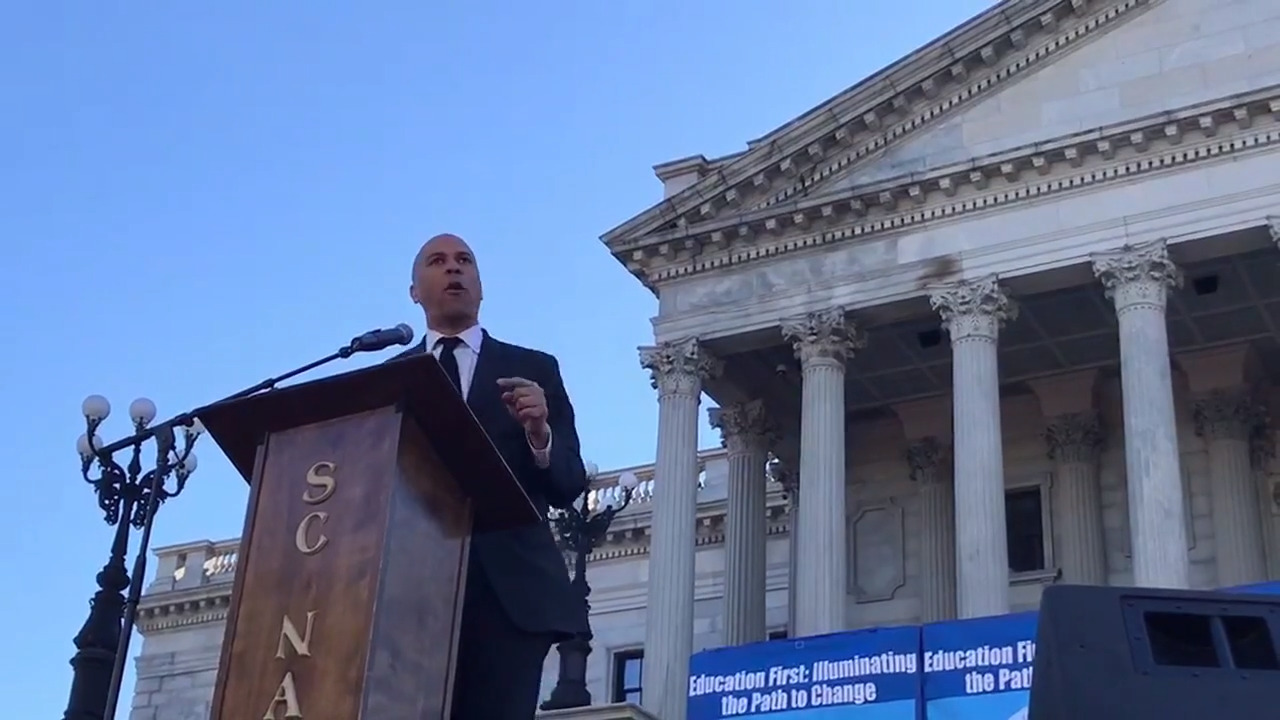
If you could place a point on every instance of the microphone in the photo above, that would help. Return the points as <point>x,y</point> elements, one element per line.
<point>381,339</point>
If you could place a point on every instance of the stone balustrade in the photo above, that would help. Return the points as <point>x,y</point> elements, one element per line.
<point>606,489</point>
<point>194,564</point>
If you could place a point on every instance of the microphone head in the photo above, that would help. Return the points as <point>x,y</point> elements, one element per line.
<point>406,333</point>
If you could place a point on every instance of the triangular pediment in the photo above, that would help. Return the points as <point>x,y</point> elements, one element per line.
<point>926,110</point>
<point>1177,54</point>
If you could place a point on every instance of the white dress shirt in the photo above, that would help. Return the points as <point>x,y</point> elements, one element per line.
<point>467,353</point>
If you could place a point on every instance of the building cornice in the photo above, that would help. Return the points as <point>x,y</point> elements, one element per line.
<point>1168,142</point>
<point>182,608</point>
<point>1009,41</point>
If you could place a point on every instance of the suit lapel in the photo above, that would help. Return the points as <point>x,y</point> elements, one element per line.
<point>483,396</point>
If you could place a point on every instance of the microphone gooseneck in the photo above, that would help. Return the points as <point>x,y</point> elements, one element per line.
<point>381,339</point>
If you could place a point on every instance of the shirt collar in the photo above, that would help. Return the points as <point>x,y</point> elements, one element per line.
<point>472,337</point>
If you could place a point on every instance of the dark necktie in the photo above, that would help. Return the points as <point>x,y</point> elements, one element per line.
<point>449,361</point>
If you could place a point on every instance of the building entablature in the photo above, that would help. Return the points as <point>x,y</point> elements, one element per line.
<point>1138,196</point>
<point>1086,160</point>
<point>760,187</point>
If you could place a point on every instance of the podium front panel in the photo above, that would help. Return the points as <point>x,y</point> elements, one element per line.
<point>324,576</point>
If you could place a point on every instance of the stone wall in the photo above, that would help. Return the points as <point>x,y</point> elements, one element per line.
<point>176,672</point>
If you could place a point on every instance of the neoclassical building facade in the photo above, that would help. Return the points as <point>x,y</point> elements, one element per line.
<point>1015,228</point>
<point>1005,314</point>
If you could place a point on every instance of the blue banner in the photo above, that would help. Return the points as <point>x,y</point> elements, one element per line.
<point>979,669</point>
<point>963,670</point>
<point>1266,588</point>
<point>863,675</point>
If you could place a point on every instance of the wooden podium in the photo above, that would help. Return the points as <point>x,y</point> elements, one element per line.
<point>365,488</point>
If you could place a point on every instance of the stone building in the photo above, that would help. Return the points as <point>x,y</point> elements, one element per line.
<point>1056,225</point>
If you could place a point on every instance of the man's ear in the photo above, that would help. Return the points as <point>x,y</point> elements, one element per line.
<point>413,294</point>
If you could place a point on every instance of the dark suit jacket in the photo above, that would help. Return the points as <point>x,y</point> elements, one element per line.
<point>524,565</point>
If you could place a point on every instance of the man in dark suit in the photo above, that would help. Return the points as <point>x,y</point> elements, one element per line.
<point>518,600</point>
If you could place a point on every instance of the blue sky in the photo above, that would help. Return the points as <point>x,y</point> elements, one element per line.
<point>194,196</point>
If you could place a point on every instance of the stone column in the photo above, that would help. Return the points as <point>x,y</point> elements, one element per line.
<point>1262,449</point>
<point>783,471</point>
<point>746,433</point>
<point>972,313</point>
<point>937,514</point>
<point>1137,280</point>
<point>1227,416</point>
<point>822,341</point>
<point>927,427</point>
<point>789,479</point>
<point>1075,441</point>
<point>1225,420</point>
<point>677,370</point>
<point>1073,434</point>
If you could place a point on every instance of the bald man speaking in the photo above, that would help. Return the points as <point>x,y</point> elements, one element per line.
<point>518,600</point>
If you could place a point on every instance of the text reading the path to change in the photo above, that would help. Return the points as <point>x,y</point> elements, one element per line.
<point>987,668</point>
<point>822,683</point>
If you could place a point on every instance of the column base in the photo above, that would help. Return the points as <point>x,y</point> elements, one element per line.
<point>571,687</point>
<point>618,711</point>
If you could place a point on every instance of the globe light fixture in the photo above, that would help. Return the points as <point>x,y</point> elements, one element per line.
<point>95,408</point>
<point>142,411</point>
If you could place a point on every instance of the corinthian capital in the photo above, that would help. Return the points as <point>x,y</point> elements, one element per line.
<point>822,335</point>
<point>1137,275</point>
<point>1227,415</point>
<point>744,427</point>
<point>973,308</point>
<point>1074,437</point>
<point>924,457</point>
<point>679,367</point>
<point>1262,445</point>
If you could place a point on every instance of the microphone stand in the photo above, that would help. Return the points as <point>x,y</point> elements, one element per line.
<point>186,419</point>
<point>164,435</point>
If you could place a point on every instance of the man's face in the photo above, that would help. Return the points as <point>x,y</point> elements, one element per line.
<point>446,282</point>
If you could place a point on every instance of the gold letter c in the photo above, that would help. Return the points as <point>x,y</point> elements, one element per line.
<point>300,537</point>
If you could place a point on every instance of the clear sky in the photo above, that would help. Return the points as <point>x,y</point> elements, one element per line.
<point>194,196</point>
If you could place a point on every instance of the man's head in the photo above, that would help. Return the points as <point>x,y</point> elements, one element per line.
<point>446,283</point>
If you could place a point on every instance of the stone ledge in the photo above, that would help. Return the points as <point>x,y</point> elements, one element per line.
<point>1047,576</point>
<point>619,711</point>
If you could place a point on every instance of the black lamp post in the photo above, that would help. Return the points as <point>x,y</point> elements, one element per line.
<point>129,496</point>
<point>579,531</point>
